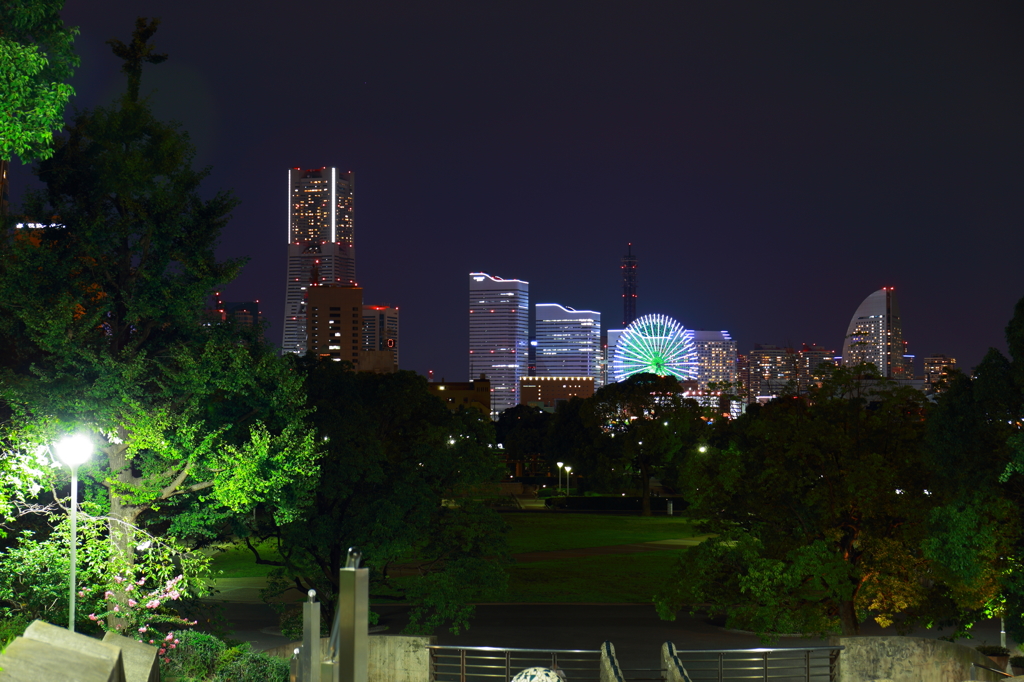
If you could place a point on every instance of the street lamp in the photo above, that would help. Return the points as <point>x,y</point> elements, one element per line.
<point>74,451</point>
<point>560,465</point>
<point>567,470</point>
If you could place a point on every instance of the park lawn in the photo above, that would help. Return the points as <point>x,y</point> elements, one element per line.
<point>548,531</point>
<point>599,579</point>
<point>236,561</point>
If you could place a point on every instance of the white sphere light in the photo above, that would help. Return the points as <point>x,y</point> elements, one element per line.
<point>74,450</point>
<point>655,344</point>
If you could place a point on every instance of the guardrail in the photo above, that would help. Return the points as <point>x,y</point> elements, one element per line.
<point>806,664</point>
<point>985,667</point>
<point>469,663</point>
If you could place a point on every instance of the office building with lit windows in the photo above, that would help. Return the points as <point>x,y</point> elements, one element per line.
<point>321,242</point>
<point>771,372</point>
<point>380,331</point>
<point>936,371</point>
<point>499,326</point>
<point>875,335</point>
<point>334,322</point>
<point>568,341</point>
<point>813,362</point>
<point>715,354</point>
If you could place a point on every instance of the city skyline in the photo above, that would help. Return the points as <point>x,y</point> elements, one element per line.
<point>746,152</point>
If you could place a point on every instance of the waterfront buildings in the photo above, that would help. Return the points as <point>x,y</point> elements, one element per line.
<point>875,335</point>
<point>812,362</point>
<point>321,236</point>
<point>715,355</point>
<point>546,392</point>
<point>568,341</point>
<point>380,331</point>
<point>772,371</point>
<point>936,371</point>
<point>498,335</point>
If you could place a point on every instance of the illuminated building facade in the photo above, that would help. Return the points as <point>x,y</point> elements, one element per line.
<point>499,322</point>
<point>334,322</point>
<point>474,395</point>
<point>936,371</point>
<point>772,372</point>
<point>380,330</point>
<point>568,341</point>
<point>812,363</point>
<point>875,335</point>
<point>321,242</point>
<point>715,354</point>
<point>547,391</point>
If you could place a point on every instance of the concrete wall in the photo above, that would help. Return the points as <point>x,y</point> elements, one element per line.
<point>391,658</point>
<point>610,671</point>
<point>909,659</point>
<point>672,669</point>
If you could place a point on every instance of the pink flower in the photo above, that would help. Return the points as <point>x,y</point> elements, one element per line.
<point>174,594</point>
<point>108,594</point>
<point>177,641</point>
<point>167,660</point>
<point>129,588</point>
<point>143,629</point>
<point>141,582</point>
<point>163,651</point>
<point>118,579</point>
<point>81,593</point>
<point>169,636</point>
<point>150,641</point>
<point>174,646</point>
<point>132,602</point>
<point>92,616</point>
<point>117,608</point>
<point>152,604</point>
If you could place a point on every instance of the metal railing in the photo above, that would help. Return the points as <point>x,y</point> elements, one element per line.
<point>806,664</point>
<point>975,666</point>
<point>469,663</point>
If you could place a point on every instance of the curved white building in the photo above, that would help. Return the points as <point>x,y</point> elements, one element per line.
<point>875,335</point>
<point>568,341</point>
<point>499,327</point>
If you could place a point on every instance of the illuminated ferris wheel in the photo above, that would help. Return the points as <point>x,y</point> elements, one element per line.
<point>656,344</point>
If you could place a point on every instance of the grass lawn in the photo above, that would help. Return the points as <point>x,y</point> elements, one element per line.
<point>543,531</point>
<point>604,579</point>
<point>238,562</point>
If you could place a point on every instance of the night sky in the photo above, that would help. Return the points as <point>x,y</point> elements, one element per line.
<point>772,163</point>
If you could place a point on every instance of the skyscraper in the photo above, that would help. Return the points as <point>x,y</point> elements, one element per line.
<point>716,358</point>
<point>875,335</point>
<point>772,370</point>
<point>936,371</point>
<point>321,242</point>
<point>334,319</point>
<point>380,330</point>
<point>499,325</point>
<point>812,363</point>
<point>568,341</point>
<point>628,287</point>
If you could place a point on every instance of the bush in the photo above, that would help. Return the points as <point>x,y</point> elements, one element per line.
<point>1017,661</point>
<point>196,656</point>
<point>242,664</point>
<point>12,627</point>
<point>992,650</point>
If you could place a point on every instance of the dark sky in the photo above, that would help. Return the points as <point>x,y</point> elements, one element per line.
<point>773,163</point>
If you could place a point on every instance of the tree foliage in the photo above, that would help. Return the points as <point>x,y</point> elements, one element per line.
<point>36,60</point>
<point>393,454</point>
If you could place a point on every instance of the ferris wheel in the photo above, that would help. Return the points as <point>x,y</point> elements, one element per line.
<point>656,344</point>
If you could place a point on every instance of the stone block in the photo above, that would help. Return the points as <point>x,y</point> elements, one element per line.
<point>140,659</point>
<point>47,652</point>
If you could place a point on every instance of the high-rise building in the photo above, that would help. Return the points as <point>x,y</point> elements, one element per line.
<point>773,371</point>
<point>499,323</point>
<point>334,322</point>
<point>321,242</point>
<point>875,335</point>
<point>380,330</point>
<point>628,287</point>
<point>568,341</point>
<point>812,362</point>
<point>716,359</point>
<point>547,392</point>
<point>936,371</point>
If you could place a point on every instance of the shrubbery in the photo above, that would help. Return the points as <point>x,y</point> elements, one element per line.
<point>204,658</point>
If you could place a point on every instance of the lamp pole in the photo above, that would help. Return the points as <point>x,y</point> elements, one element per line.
<point>567,470</point>
<point>73,451</point>
<point>560,465</point>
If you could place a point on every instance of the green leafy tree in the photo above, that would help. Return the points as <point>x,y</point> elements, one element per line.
<point>393,454</point>
<point>521,431</point>
<point>821,509</point>
<point>102,316</point>
<point>646,425</point>
<point>36,60</point>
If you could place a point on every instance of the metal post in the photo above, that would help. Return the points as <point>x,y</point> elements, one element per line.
<point>1002,632</point>
<point>721,663</point>
<point>462,665</point>
<point>766,666</point>
<point>807,661</point>
<point>508,665</point>
<point>350,634</point>
<point>668,506</point>
<point>74,545</point>
<point>310,638</point>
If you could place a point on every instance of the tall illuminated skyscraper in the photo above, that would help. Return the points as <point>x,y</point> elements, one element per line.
<point>875,335</point>
<point>568,342</point>
<point>628,287</point>
<point>321,233</point>
<point>499,326</point>
<point>716,359</point>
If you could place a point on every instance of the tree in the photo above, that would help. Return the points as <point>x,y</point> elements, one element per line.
<point>645,424</point>
<point>102,315</point>
<point>393,454</point>
<point>521,431</point>
<point>821,510</point>
<point>36,60</point>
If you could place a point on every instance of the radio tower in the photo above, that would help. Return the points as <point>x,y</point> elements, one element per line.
<point>628,287</point>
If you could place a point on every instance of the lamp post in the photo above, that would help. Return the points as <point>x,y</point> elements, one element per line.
<point>560,465</point>
<point>567,470</point>
<point>74,451</point>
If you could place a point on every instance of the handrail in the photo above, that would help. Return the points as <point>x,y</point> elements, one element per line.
<point>762,649</point>
<point>496,648</point>
<point>985,667</point>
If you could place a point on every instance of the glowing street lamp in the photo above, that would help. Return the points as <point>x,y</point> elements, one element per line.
<point>567,470</point>
<point>74,451</point>
<point>560,465</point>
